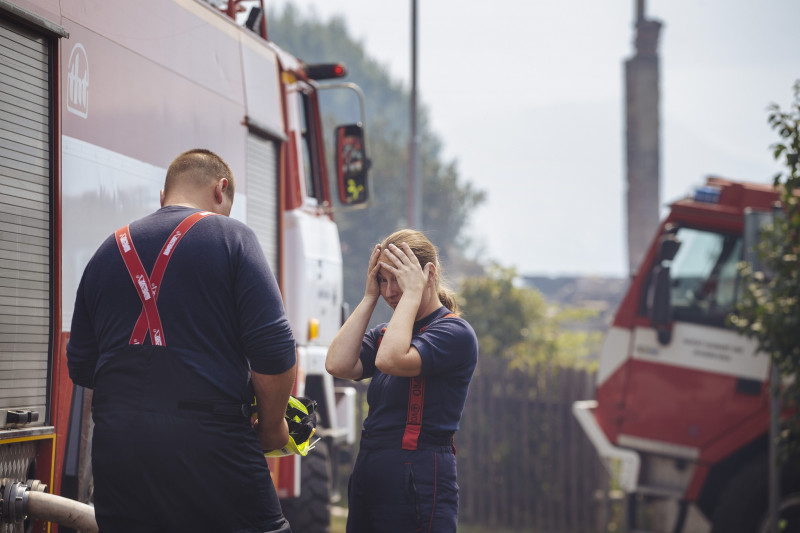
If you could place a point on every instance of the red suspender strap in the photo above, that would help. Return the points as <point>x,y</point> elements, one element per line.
<point>416,400</point>
<point>142,283</point>
<point>147,287</point>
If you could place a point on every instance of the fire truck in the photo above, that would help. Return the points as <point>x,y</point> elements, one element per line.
<point>682,404</point>
<point>96,99</point>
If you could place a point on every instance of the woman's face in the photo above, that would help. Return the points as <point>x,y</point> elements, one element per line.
<point>390,289</point>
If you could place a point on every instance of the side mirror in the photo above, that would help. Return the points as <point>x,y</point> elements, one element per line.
<point>660,299</point>
<point>352,165</point>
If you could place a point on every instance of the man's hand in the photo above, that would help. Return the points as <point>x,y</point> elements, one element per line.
<point>272,440</point>
<point>272,396</point>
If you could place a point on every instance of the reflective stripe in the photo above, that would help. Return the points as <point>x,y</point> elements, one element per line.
<point>148,286</point>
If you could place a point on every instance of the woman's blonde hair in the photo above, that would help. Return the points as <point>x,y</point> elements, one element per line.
<point>426,253</point>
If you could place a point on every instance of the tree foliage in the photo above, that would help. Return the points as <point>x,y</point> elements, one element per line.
<point>518,325</point>
<point>448,200</point>
<point>769,311</point>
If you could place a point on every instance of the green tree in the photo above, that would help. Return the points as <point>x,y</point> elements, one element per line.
<point>518,325</point>
<point>769,311</point>
<point>448,200</point>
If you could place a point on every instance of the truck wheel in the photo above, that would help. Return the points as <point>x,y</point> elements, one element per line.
<point>311,512</point>
<point>743,504</point>
<point>788,514</point>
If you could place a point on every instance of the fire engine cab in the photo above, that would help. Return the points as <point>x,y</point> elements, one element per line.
<point>96,98</point>
<point>682,402</point>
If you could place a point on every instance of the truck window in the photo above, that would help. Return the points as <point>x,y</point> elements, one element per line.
<point>311,168</point>
<point>705,277</point>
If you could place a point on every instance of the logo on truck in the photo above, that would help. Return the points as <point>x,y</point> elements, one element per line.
<point>78,82</point>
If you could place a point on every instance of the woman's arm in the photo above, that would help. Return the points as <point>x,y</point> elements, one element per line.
<point>343,360</point>
<point>396,356</point>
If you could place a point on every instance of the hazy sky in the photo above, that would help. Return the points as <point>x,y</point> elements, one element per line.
<point>527,96</point>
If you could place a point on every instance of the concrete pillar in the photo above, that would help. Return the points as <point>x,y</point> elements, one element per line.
<point>642,141</point>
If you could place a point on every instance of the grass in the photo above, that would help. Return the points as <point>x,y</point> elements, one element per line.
<point>339,520</point>
<point>338,523</point>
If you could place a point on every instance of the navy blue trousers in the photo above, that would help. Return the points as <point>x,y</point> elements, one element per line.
<point>166,473</point>
<point>402,491</point>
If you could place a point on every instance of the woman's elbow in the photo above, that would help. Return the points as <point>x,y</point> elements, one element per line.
<point>391,368</point>
<point>331,368</point>
<point>338,371</point>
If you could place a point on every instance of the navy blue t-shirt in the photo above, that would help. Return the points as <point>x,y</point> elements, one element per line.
<point>219,304</point>
<point>449,351</point>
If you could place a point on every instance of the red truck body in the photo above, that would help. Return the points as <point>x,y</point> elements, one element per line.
<point>682,400</point>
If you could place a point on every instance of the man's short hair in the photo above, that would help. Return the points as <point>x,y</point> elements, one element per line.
<point>198,167</point>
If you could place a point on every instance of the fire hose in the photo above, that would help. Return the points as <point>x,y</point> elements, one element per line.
<point>21,501</point>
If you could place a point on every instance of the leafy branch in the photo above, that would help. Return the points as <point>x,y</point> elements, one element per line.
<point>769,310</point>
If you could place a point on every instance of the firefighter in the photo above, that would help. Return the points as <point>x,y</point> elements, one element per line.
<point>178,322</point>
<point>421,364</point>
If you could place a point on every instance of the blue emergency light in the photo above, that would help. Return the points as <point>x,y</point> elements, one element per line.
<point>707,194</point>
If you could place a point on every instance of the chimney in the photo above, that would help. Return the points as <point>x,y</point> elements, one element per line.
<point>642,138</point>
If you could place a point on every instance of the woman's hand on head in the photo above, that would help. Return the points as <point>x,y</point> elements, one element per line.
<point>373,290</point>
<point>410,275</point>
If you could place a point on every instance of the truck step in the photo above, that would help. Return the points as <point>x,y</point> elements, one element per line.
<point>659,492</point>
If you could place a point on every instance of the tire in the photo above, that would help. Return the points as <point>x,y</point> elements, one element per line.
<point>743,503</point>
<point>788,514</point>
<point>311,511</point>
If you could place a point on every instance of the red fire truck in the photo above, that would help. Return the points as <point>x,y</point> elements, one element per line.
<point>96,98</point>
<point>682,403</point>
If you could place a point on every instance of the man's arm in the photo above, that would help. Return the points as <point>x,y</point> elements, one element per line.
<point>272,396</point>
<point>82,349</point>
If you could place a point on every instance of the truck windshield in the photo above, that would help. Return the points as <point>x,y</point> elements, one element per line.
<point>705,277</point>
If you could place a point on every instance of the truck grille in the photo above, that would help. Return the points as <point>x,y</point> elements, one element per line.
<point>16,459</point>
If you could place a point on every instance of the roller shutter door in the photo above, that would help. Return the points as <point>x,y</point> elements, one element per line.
<point>25,220</point>
<point>262,196</point>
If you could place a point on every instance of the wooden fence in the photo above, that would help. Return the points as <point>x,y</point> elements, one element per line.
<point>524,464</point>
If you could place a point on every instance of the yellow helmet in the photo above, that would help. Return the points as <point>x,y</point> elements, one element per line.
<point>301,416</point>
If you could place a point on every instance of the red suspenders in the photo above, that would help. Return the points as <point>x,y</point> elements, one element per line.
<point>416,400</point>
<point>147,286</point>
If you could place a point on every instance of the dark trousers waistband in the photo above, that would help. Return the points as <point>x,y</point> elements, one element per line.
<point>188,408</point>
<point>388,441</point>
